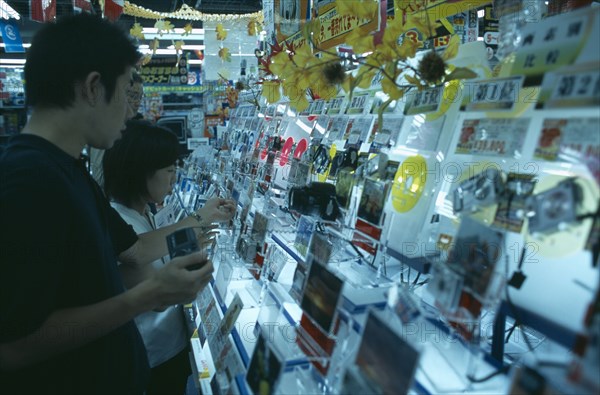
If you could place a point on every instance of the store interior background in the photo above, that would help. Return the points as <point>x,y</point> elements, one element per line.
<point>199,102</point>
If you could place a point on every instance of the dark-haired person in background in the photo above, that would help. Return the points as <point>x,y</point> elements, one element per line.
<point>140,170</point>
<point>135,92</point>
<point>66,319</point>
<point>135,95</point>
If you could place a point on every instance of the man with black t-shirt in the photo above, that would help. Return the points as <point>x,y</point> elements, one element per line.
<point>66,320</point>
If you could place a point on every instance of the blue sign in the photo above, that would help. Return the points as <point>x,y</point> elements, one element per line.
<point>11,36</point>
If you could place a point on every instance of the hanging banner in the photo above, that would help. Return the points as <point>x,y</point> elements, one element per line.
<point>165,71</point>
<point>42,10</point>
<point>112,9</point>
<point>335,27</point>
<point>82,6</point>
<point>11,36</point>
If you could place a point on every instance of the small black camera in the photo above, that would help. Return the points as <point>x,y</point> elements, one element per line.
<point>317,198</point>
<point>183,242</point>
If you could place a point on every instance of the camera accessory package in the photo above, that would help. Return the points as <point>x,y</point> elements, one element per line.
<point>480,190</point>
<point>320,299</point>
<point>320,250</point>
<point>265,368</point>
<point>554,206</point>
<point>386,361</point>
<point>513,203</point>
<point>317,199</point>
<point>476,251</point>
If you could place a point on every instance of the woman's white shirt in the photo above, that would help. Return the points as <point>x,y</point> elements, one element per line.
<point>164,333</point>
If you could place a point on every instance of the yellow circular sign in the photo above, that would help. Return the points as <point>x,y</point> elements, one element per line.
<point>409,183</point>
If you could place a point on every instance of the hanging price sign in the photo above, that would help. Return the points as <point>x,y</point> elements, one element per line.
<point>576,89</point>
<point>425,101</point>
<point>495,94</point>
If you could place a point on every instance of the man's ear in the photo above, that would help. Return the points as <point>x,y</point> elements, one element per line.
<point>92,88</point>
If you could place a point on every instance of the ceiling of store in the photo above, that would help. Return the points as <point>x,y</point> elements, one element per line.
<point>209,6</point>
<point>65,7</point>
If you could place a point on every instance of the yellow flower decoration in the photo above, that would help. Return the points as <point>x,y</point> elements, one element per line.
<point>362,40</point>
<point>178,45</point>
<point>408,49</point>
<point>365,75</point>
<point>423,23</point>
<point>251,28</point>
<point>146,59</point>
<point>414,81</point>
<point>303,56</point>
<point>136,31</point>
<point>296,95</point>
<point>326,91</point>
<point>379,53</point>
<point>270,91</point>
<point>362,9</point>
<point>163,27</point>
<point>224,54</point>
<point>281,65</point>
<point>154,46</point>
<point>391,89</point>
<point>311,30</point>
<point>452,49</point>
<point>221,33</point>
<point>187,29</point>
<point>394,28</point>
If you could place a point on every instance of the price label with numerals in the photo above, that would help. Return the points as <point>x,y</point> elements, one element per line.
<point>494,94</point>
<point>425,101</point>
<point>500,137</point>
<point>568,139</point>
<point>358,103</point>
<point>576,89</point>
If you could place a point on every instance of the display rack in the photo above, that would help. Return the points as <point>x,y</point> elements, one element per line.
<point>344,230</point>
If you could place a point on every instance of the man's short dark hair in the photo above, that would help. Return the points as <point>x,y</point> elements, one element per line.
<point>143,149</point>
<point>65,52</point>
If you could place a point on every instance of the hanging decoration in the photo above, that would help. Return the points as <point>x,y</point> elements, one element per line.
<point>136,31</point>
<point>154,46</point>
<point>389,53</point>
<point>112,9</point>
<point>221,33</point>
<point>187,29</point>
<point>82,6</point>
<point>42,11</point>
<point>253,27</point>
<point>224,54</point>
<point>163,27</point>
<point>187,13</point>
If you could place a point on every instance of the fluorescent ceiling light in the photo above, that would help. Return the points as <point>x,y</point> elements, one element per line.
<point>151,33</point>
<point>12,61</point>
<point>151,30</point>
<point>25,45</point>
<point>188,47</point>
<point>234,54</point>
<point>184,47</point>
<point>160,51</point>
<point>7,11</point>
<point>167,36</point>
